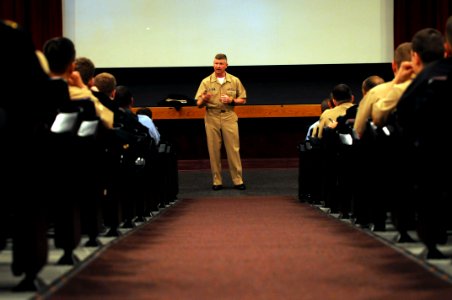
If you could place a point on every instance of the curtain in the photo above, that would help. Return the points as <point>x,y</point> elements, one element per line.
<point>413,15</point>
<point>42,18</point>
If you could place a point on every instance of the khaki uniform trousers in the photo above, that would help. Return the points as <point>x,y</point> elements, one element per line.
<point>222,126</point>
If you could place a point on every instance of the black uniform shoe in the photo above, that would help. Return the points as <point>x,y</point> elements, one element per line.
<point>240,187</point>
<point>217,187</point>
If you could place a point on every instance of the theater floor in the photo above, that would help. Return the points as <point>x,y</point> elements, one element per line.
<point>197,183</point>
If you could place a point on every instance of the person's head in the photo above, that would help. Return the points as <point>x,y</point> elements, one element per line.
<point>342,93</point>
<point>448,33</point>
<point>123,96</point>
<point>60,54</point>
<point>402,53</point>
<point>326,103</point>
<point>371,82</point>
<point>145,111</point>
<point>105,83</point>
<point>220,63</point>
<point>427,47</point>
<point>86,69</point>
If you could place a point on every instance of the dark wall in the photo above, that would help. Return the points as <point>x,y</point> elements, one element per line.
<point>259,137</point>
<point>298,84</point>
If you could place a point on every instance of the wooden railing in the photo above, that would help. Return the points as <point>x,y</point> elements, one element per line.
<point>243,111</point>
<point>266,131</point>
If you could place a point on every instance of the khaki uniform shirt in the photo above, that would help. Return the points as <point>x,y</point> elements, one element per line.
<point>102,112</point>
<point>331,114</point>
<point>232,86</point>
<point>365,105</point>
<point>384,106</point>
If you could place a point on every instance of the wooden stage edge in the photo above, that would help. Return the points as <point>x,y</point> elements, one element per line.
<point>243,111</point>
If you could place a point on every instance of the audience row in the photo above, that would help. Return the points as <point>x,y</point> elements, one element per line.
<point>75,150</point>
<point>387,155</point>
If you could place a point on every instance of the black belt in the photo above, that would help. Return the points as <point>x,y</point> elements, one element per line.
<point>216,109</point>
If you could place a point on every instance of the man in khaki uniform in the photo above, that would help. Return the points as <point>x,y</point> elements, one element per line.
<point>401,54</point>
<point>219,93</point>
<point>427,47</point>
<point>343,99</point>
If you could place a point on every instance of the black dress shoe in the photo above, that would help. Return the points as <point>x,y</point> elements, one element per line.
<point>240,187</point>
<point>217,187</point>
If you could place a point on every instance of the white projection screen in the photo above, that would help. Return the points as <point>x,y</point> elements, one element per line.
<point>188,33</point>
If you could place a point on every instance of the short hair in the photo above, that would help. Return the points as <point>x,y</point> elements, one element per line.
<point>402,53</point>
<point>371,82</point>
<point>86,68</point>
<point>449,30</point>
<point>342,92</point>
<point>429,44</point>
<point>221,56</point>
<point>326,104</point>
<point>145,111</point>
<point>60,53</point>
<point>123,96</point>
<point>105,83</point>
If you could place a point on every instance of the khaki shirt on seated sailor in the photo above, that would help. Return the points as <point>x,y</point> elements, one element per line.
<point>401,54</point>
<point>342,99</point>
<point>427,47</point>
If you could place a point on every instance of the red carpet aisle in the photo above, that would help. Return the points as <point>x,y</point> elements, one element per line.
<point>250,248</point>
